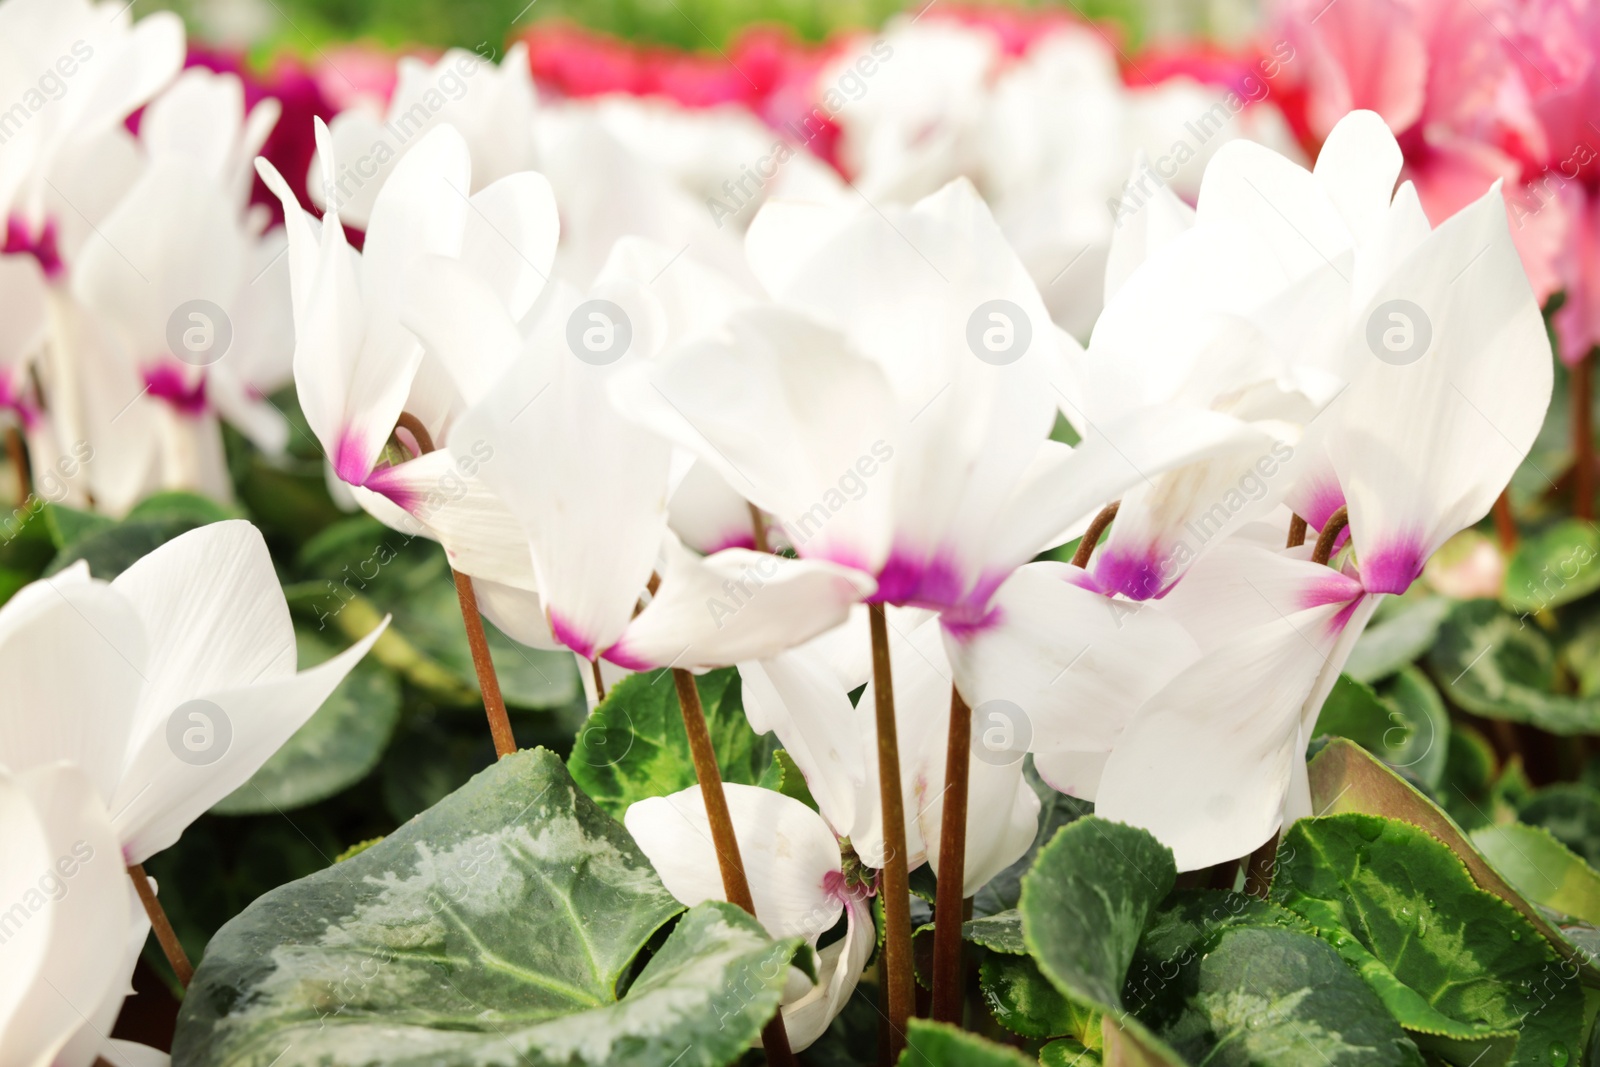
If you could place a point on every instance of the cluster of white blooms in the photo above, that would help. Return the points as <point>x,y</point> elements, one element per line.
<point>660,438</point>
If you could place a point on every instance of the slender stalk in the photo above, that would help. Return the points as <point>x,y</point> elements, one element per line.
<point>494,704</point>
<point>162,927</point>
<point>758,529</point>
<point>17,453</point>
<point>1505,523</point>
<point>1258,872</point>
<point>735,885</point>
<point>599,682</point>
<point>895,884</point>
<point>1330,533</point>
<point>1583,438</point>
<point>948,981</point>
<point>1091,536</point>
<point>1297,532</point>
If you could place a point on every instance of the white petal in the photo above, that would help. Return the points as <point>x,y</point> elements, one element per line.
<point>797,696</point>
<point>1207,776</point>
<point>214,615</point>
<point>510,238</point>
<point>80,896</point>
<point>75,657</point>
<point>790,856</point>
<point>1002,821</point>
<point>1072,664</point>
<point>840,967</point>
<point>736,605</point>
<point>791,418</point>
<point>166,786</point>
<point>1425,446</point>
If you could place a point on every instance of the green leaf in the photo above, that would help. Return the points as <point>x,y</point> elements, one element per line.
<point>179,506</point>
<point>1263,996</point>
<point>1571,812</point>
<point>496,928</point>
<point>1407,727</point>
<point>1454,964</point>
<point>1499,666</point>
<point>113,549</point>
<point>1023,1000</point>
<point>336,748</point>
<point>998,933</point>
<point>789,779</point>
<point>1542,868</point>
<point>1404,629</point>
<point>1469,769</point>
<point>1084,906</point>
<point>930,1044</point>
<point>634,746</point>
<point>1068,1053</point>
<point>1345,778</point>
<point>1187,926</point>
<point>1554,567</point>
<point>67,525</point>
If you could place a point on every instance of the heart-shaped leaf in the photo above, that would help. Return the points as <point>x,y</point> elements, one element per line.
<point>495,928</point>
<point>1457,966</point>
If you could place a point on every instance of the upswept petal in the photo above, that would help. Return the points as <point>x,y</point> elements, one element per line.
<point>173,778</point>
<point>797,695</point>
<point>1427,441</point>
<point>792,418</point>
<point>75,656</point>
<point>214,615</point>
<point>589,488</point>
<point>1206,763</point>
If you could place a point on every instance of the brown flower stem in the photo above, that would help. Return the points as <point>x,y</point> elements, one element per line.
<point>167,937</point>
<point>758,529</point>
<point>1258,870</point>
<point>1297,532</point>
<point>895,880</point>
<point>1583,437</point>
<point>17,453</point>
<point>1505,523</point>
<point>599,682</point>
<point>948,983</point>
<point>1091,536</point>
<point>735,885</point>
<point>1330,533</point>
<point>494,704</point>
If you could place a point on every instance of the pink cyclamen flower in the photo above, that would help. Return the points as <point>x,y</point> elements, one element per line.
<point>1446,80</point>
